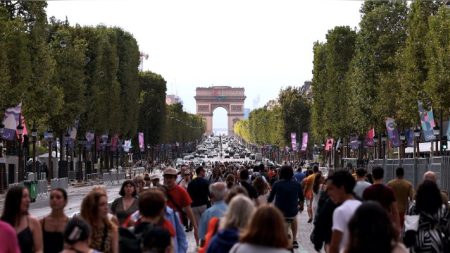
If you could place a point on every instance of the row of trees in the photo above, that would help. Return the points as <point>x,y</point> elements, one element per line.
<point>273,123</point>
<point>62,73</point>
<point>400,54</point>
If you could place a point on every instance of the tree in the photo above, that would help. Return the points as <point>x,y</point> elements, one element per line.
<point>319,87</point>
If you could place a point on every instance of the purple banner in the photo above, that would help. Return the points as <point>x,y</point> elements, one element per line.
<point>90,136</point>
<point>114,141</point>
<point>11,121</point>
<point>369,138</point>
<point>391,128</point>
<point>354,142</point>
<point>427,122</point>
<point>127,146</point>
<point>304,141</point>
<point>448,130</point>
<point>294,141</point>
<point>141,142</point>
<point>409,134</point>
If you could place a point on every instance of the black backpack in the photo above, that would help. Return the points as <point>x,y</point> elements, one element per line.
<point>130,239</point>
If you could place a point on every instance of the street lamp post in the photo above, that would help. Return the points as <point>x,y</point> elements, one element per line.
<point>416,142</point>
<point>437,132</point>
<point>81,144</point>
<point>402,145</point>
<point>34,138</point>
<point>21,172</point>
<point>105,153</point>
<point>383,140</point>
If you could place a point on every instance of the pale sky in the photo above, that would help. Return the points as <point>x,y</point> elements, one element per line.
<point>261,45</point>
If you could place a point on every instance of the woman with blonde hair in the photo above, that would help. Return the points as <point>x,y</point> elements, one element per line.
<point>239,212</point>
<point>104,236</point>
<point>266,233</point>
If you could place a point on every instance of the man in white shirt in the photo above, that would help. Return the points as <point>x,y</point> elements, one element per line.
<point>340,189</point>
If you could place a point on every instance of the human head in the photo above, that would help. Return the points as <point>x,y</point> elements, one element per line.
<point>151,203</point>
<point>218,191</point>
<point>361,172</point>
<point>58,198</point>
<point>315,169</point>
<point>400,172</point>
<point>260,186</point>
<point>238,213</point>
<point>243,174</point>
<point>286,172</point>
<point>131,188</point>
<point>430,175</point>
<point>371,229</point>
<point>200,171</point>
<point>259,233</point>
<point>94,207</point>
<point>340,184</point>
<point>170,176</point>
<point>428,197</point>
<point>230,181</point>
<point>77,230</point>
<point>235,191</point>
<point>378,173</point>
<point>139,183</point>
<point>16,204</point>
<point>156,240</point>
<point>100,189</point>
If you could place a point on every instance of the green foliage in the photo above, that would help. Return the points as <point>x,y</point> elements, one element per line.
<point>319,88</point>
<point>181,126</point>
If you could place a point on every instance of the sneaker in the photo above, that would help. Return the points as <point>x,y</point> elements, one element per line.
<point>295,245</point>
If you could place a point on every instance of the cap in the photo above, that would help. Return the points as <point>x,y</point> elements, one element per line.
<point>154,176</point>
<point>170,171</point>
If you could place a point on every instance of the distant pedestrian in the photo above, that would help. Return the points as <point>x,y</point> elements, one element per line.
<point>15,213</point>
<point>54,224</point>
<point>403,191</point>
<point>198,190</point>
<point>243,179</point>
<point>261,238</point>
<point>361,183</point>
<point>372,231</point>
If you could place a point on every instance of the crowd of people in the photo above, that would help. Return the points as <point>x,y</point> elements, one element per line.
<point>238,207</point>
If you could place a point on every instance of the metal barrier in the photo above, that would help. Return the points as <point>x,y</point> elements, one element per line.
<point>59,183</point>
<point>106,178</point>
<point>42,188</point>
<point>71,175</point>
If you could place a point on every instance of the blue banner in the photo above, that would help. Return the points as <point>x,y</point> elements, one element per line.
<point>391,128</point>
<point>427,122</point>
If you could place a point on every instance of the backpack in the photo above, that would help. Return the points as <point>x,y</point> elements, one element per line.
<point>130,240</point>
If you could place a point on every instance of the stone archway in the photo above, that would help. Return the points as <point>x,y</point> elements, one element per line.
<point>231,99</point>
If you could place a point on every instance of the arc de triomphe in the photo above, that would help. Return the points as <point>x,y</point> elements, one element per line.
<point>231,99</point>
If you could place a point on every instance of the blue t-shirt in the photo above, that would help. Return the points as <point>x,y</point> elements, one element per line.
<point>288,194</point>
<point>299,176</point>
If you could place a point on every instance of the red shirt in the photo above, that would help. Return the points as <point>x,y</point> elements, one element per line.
<point>178,198</point>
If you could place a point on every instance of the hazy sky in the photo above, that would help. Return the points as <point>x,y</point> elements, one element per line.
<point>260,45</point>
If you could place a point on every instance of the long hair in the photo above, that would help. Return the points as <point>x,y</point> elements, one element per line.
<point>371,230</point>
<point>11,209</point>
<point>428,197</point>
<point>89,209</point>
<point>239,212</point>
<point>266,228</point>
<point>316,182</point>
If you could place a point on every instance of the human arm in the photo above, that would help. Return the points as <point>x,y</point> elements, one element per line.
<point>36,230</point>
<point>115,240</point>
<point>272,193</point>
<point>336,237</point>
<point>395,215</point>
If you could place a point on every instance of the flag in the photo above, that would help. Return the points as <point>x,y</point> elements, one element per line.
<point>369,138</point>
<point>409,134</point>
<point>427,122</point>
<point>304,141</point>
<point>354,142</point>
<point>127,146</point>
<point>11,121</point>
<point>141,142</point>
<point>294,141</point>
<point>329,144</point>
<point>114,141</point>
<point>72,131</point>
<point>392,131</point>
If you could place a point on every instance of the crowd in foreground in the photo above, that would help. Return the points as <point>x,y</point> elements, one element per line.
<point>238,208</point>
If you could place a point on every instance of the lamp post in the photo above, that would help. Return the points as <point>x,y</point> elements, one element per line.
<point>402,144</point>
<point>436,132</point>
<point>383,140</point>
<point>21,172</point>
<point>375,143</point>
<point>50,163</point>
<point>34,138</point>
<point>2,165</point>
<point>81,144</point>
<point>105,154</point>
<point>416,142</point>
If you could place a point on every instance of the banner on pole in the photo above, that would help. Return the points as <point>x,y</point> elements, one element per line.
<point>304,141</point>
<point>354,142</point>
<point>329,144</point>
<point>369,138</point>
<point>409,134</point>
<point>141,142</point>
<point>114,141</point>
<point>427,122</point>
<point>11,121</point>
<point>294,141</point>
<point>392,131</point>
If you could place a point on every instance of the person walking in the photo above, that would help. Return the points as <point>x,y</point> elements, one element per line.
<point>361,183</point>
<point>340,189</point>
<point>383,194</point>
<point>54,224</point>
<point>308,183</point>
<point>104,236</point>
<point>372,231</point>
<point>125,205</point>
<point>15,213</point>
<point>236,218</point>
<point>288,196</point>
<point>261,238</point>
<point>198,190</point>
<point>403,191</point>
